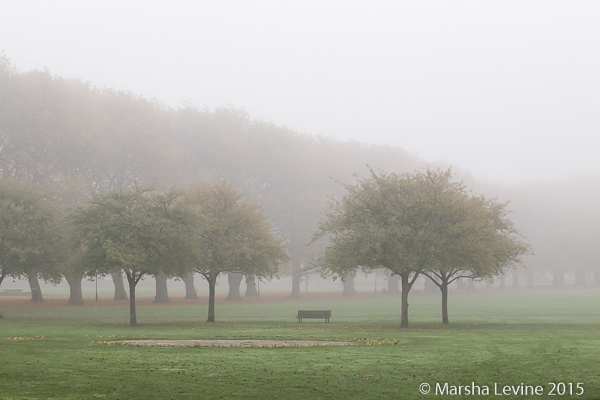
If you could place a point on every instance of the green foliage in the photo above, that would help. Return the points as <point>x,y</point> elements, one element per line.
<point>131,230</point>
<point>77,139</point>
<point>383,221</point>
<point>473,238</point>
<point>30,238</point>
<point>230,235</point>
<point>412,223</point>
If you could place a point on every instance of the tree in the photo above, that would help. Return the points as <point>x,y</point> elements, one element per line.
<point>473,238</point>
<point>120,293</point>
<point>190,290</point>
<point>234,280</point>
<point>230,236</point>
<point>30,239</point>
<point>407,224</point>
<point>132,230</point>
<point>162,291</point>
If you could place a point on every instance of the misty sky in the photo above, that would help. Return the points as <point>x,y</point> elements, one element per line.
<point>509,90</point>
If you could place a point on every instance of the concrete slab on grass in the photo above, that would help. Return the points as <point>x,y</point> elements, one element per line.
<point>240,343</point>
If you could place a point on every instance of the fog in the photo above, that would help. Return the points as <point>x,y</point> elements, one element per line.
<point>278,98</point>
<point>506,90</point>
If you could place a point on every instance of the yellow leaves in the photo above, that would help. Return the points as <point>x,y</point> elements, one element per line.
<point>17,338</point>
<point>230,234</point>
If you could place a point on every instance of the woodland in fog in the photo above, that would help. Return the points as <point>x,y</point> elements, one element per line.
<point>71,141</point>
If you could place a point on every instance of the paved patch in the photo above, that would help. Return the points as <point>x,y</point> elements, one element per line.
<point>240,343</point>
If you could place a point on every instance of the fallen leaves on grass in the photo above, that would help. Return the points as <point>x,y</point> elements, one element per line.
<point>15,339</point>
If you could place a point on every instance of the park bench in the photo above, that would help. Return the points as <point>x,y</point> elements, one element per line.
<point>314,314</point>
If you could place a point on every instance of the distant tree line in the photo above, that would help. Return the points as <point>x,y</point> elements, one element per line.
<point>74,141</point>
<point>68,142</point>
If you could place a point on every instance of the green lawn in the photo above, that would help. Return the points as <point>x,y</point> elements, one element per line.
<point>514,338</point>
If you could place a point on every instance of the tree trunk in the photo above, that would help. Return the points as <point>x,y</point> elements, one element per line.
<point>34,285</point>
<point>132,310</point>
<point>234,280</point>
<point>444,290</point>
<point>251,290</point>
<point>162,292</point>
<point>75,293</point>
<point>211,299</point>
<point>406,286</point>
<point>296,278</point>
<point>393,284</point>
<point>470,284</point>
<point>120,293</point>
<point>580,277</point>
<point>190,290</point>
<point>502,282</point>
<point>348,282</point>
<point>133,281</point>
<point>530,279</point>
<point>515,276</point>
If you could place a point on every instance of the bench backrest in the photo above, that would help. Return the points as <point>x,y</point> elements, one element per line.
<point>314,313</point>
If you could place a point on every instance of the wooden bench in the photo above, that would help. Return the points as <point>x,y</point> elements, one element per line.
<point>314,314</point>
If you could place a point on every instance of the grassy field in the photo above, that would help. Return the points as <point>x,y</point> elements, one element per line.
<point>496,340</point>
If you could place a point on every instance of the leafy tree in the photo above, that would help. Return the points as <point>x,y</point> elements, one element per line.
<point>78,139</point>
<point>287,173</point>
<point>29,234</point>
<point>472,237</point>
<point>411,223</point>
<point>230,236</point>
<point>132,230</point>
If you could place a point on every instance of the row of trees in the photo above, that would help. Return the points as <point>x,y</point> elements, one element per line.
<point>410,224</point>
<point>423,223</point>
<point>74,140</point>
<point>208,230</point>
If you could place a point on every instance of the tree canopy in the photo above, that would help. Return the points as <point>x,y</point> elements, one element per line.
<point>410,223</point>
<point>76,139</point>
<point>133,230</point>
<point>30,238</point>
<point>475,239</point>
<point>73,139</point>
<point>230,235</point>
